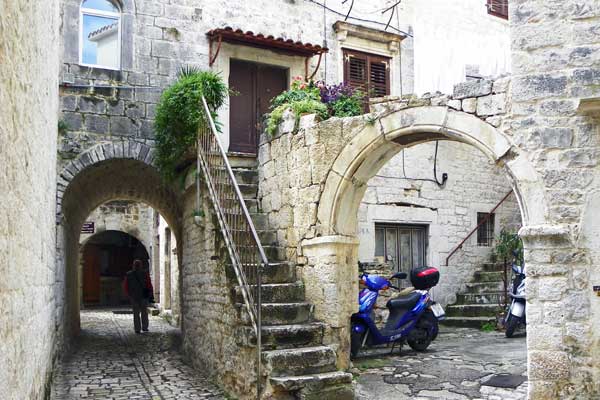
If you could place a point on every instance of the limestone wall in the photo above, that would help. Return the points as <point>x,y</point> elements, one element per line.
<point>555,63</point>
<point>168,272</point>
<point>475,185</point>
<point>135,219</point>
<point>210,323</point>
<point>31,291</point>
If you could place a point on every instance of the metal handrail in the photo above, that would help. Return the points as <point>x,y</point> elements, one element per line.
<point>486,219</point>
<point>241,239</point>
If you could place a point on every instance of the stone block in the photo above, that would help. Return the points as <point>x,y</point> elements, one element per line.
<point>548,365</point>
<point>501,85</point>
<point>68,103</point>
<point>115,107</point>
<point>135,110</point>
<point>96,123</point>
<point>491,105</point>
<point>94,105</point>
<point>538,86</point>
<point>123,126</point>
<point>455,104</point>
<point>476,88</point>
<point>161,48</point>
<point>469,105</point>
<point>73,120</point>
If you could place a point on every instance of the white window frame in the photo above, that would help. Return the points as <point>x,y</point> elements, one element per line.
<point>98,13</point>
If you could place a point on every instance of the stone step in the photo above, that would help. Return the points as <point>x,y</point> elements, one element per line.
<point>284,336</point>
<point>483,287</point>
<point>232,204</point>
<point>468,322</point>
<point>484,276</point>
<point>472,310</point>
<point>300,361</point>
<point>249,191</point>
<point>276,292</point>
<point>244,161</point>
<point>279,273</point>
<point>246,175</point>
<point>280,313</point>
<point>494,267</point>
<point>314,383</point>
<point>480,298</point>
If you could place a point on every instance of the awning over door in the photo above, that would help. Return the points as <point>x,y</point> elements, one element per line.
<point>258,40</point>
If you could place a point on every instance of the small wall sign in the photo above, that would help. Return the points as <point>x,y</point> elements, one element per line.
<point>88,227</point>
<point>597,290</point>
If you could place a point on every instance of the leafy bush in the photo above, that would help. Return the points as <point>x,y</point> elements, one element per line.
<point>315,98</point>
<point>342,100</point>
<point>179,112</point>
<point>506,244</point>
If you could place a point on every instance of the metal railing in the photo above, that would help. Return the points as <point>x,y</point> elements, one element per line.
<point>241,239</point>
<point>483,221</point>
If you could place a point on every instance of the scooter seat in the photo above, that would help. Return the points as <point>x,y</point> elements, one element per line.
<point>407,301</point>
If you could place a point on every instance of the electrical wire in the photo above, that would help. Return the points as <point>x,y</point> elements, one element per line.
<point>435,180</point>
<point>358,19</point>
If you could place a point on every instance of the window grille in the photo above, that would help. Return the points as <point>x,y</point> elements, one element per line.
<point>485,232</point>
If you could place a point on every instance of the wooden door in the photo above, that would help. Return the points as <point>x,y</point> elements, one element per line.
<point>256,85</point>
<point>91,274</point>
<point>403,246</point>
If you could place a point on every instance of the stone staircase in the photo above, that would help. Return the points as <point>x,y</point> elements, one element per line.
<point>481,301</point>
<point>296,364</point>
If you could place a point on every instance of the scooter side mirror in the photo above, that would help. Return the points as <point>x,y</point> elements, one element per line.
<point>399,275</point>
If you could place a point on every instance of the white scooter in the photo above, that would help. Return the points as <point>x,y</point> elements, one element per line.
<point>515,315</point>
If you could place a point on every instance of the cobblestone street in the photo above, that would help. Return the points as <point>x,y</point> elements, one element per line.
<point>455,367</point>
<point>109,361</point>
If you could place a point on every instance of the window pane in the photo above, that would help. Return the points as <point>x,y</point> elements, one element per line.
<point>101,41</point>
<point>101,5</point>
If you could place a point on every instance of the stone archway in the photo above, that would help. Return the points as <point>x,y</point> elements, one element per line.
<point>369,150</point>
<point>121,170</point>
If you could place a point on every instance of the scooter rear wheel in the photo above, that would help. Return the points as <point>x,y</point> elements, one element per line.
<point>422,342</point>
<point>511,325</point>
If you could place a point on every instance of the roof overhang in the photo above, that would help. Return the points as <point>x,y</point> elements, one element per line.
<point>269,42</point>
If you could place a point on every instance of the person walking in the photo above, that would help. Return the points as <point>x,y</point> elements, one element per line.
<point>138,286</point>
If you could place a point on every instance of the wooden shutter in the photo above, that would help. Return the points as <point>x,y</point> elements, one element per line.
<point>379,74</point>
<point>498,8</point>
<point>367,72</point>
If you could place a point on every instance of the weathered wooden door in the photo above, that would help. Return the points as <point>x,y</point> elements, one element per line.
<point>402,246</point>
<point>91,274</point>
<point>255,84</point>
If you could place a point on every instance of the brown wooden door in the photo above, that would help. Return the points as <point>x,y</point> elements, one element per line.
<point>91,274</point>
<point>256,85</point>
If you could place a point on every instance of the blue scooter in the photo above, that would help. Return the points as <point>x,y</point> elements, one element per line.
<point>413,317</point>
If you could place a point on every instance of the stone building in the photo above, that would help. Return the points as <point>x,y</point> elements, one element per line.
<point>540,130</point>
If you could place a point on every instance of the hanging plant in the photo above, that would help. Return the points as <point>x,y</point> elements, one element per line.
<point>179,113</point>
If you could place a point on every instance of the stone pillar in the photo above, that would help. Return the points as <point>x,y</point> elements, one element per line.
<point>558,313</point>
<point>330,276</point>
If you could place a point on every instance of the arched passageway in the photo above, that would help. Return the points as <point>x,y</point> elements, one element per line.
<point>105,172</point>
<point>355,151</point>
<point>105,259</point>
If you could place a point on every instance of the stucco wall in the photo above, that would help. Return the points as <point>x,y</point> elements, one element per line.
<point>31,291</point>
<point>168,265</point>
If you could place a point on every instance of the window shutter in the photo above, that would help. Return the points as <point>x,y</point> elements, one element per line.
<point>356,71</point>
<point>380,81</point>
<point>367,72</point>
<point>498,8</point>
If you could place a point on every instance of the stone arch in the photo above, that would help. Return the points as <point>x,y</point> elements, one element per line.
<point>377,143</point>
<point>118,170</point>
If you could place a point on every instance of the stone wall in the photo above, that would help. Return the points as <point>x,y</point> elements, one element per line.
<point>135,219</point>
<point>210,320</point>
<point>31,290</point>
<point>475,185</point>
<point>555,63</point>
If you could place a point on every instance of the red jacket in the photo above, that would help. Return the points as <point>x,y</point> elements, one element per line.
<point>148,285</point>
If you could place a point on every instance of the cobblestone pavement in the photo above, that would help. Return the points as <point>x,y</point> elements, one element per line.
<point>453,368</point>
<point>109,361</point>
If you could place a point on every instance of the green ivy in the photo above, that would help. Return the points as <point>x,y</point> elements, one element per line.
<point>506,244</point>
<point>299,107</point>
<point>179,113</point>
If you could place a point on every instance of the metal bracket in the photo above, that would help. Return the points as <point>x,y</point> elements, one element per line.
<point>306,77</point>
<point>212,57</point>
